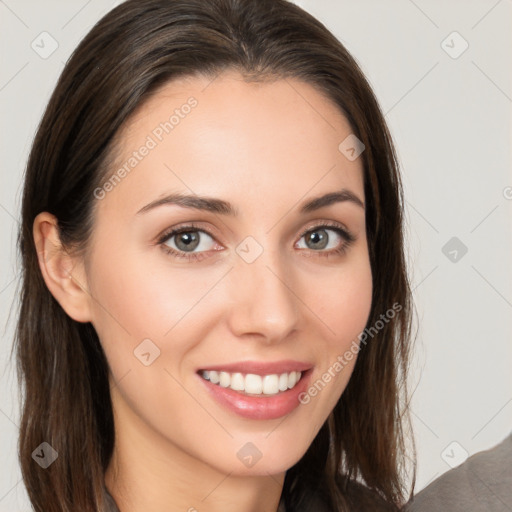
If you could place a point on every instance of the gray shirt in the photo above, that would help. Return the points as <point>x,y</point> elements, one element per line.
<point>481,484</point>
<point>110,504</point>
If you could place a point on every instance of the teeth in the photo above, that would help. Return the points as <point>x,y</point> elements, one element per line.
<point>237,382</point>
<point>271,384</point>
<point>283,382</point>
<point>253,384</point>
<point>224,379</point>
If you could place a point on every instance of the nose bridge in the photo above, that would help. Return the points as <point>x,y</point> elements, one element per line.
<point>264,302</point>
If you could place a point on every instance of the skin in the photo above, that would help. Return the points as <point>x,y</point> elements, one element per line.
<point>266,148</point>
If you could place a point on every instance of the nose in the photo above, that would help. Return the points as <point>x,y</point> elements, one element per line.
<point>264,304</point>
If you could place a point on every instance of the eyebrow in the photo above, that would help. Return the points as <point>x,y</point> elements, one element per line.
<point>220,206</point>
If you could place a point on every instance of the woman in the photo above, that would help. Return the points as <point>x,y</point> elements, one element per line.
<point>215,310</point>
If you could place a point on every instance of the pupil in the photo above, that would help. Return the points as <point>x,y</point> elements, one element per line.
<point>317,237</point>
<point>188,239</point>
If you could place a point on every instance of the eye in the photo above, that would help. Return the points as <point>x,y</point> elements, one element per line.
<point>187,242</point>
<point>327,236</point>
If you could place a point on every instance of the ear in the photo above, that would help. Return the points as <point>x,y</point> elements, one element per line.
<point>63,273</point>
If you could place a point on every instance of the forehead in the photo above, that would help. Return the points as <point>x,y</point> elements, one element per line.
<point>229,137</point>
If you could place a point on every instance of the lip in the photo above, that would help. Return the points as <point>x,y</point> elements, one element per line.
<point>261,367</point>
<point>258,407</point>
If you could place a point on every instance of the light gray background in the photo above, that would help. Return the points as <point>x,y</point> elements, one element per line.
<point>451,120</point>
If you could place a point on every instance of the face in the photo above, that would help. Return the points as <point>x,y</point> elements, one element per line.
<point>261,290</point>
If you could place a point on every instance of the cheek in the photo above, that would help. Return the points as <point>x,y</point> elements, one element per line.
<point>141,300</point>
<point>134,302</point>
<point>343,308</point>
<point>344,302</point>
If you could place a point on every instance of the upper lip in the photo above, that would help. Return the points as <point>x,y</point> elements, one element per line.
<point>261,367</point>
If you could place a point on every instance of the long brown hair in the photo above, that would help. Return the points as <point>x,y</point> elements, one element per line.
<point>62,370</point>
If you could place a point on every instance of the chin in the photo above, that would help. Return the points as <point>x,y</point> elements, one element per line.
<point>263,458</point>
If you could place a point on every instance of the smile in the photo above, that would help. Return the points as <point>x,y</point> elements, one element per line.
<point>252,384</point>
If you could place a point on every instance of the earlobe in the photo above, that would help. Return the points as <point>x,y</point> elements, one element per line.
<point>62,272</point>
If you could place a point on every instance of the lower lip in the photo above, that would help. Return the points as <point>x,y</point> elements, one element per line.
<point>264,407</point>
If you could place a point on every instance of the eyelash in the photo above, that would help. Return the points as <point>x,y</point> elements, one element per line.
<point>343,233</point>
